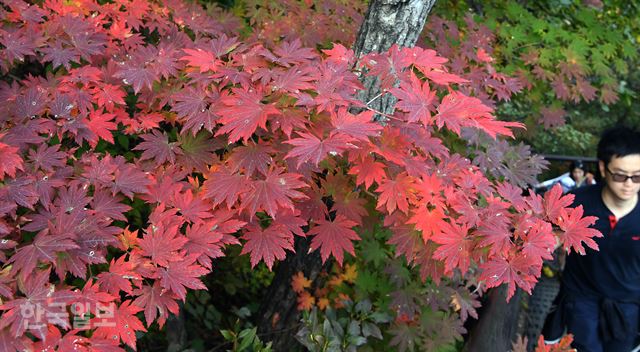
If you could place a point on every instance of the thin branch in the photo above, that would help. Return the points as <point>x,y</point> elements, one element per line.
<point>376,97</point>
<point>383,114</point>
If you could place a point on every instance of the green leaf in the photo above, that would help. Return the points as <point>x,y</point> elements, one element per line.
<point>227,334</point>
<point>539,26</point>
<point>371,329</point>
<point>122,141</point>
<point>363,307</point>
<point>608,50</point>
<point>247,337</point>
<point>629,50</point>
<point>380,317</point>
<point>354,328</point>
<point>367,281</point>
<point>373,252</point>
<point>248,332</point>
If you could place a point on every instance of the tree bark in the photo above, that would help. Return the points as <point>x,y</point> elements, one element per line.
<point>497,325</point>
<point>176,331</point>
<point>278,316</point>
<point>387,22</point>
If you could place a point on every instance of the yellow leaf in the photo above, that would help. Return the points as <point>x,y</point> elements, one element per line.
<point>350,273</point>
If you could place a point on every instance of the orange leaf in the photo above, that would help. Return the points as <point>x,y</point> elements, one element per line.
<point>306,301</point>
<point>299,282</point>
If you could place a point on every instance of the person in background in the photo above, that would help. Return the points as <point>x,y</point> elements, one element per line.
<point>575,178</point>
<point>600,290</point>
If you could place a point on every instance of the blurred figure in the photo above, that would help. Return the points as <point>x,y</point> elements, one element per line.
<point>575,178</point>
<point>599,300</point>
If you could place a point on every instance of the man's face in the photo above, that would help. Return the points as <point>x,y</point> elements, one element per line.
<point>626,166</point>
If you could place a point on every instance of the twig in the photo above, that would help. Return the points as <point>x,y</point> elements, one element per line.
<point>374,98</point>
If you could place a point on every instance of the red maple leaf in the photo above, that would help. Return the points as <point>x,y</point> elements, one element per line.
<point>407,240</point>
<point>388,67</point>
<point>350,205</point>
<point>392,145</point>
<point>108,95</point>
<point>277,190</point>
<point>90,299</point>
<point>101,124</point>
<point>292,80</point>
<point>197,151</point>
<point>105,205</point>
<point>138,75</point>
<point>118,277</point>
<point>291,221</point>
<point>193,207</point>
<point>396,193</point>
<point>46,157</point>
<point>577,230</point>
<point>128,179</point>
<point>552,116</point>
<point>289,120</point>
<point>555,203</point>
<point>539,241</point>
<point>516,270</point>
<point>252,157</point>
<point>339,53</point>
<point>10,160</point>
<point>223,185</point>
<point>512,194</point>
<point>204,241</point>
<point>156,302</point>
<point>182,273</point>
<point>495,231</point>
<point>288,53</point>
<point>9,342</point>
<point>203,59</point>
<point>359,127</point>
<point>416,98</point>
<point>42,305</point>
<point>455,247</point>
<point>161,244</point>
<point>429,221</point>
<point>334,237</point>
<point>311,148</point>
<point>267,244</point>
<point>458,110</point>
<point>367,170</point>
<point>429,267</point>
<point>45,247</point>
<point>156,146</point>
<point>444,78</point>
<point>244,113</point>
<point>119,323</point>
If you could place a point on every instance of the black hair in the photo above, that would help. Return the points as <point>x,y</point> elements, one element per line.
<point>576,164</point>
<point>619,141</point>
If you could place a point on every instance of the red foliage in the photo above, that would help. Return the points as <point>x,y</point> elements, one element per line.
<point>266,126</point>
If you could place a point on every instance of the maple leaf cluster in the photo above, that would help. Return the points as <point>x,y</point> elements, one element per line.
<point>273,21</point>
<point>236,143</point>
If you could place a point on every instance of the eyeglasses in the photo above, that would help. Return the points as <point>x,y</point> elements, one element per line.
<point>623,178</point>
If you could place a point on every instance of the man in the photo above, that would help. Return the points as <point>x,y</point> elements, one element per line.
<point>601,290</point>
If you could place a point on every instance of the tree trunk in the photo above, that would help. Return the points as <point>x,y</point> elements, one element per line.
<point>497,324</point>
<point>387,22</point>
<point>278,315</point>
